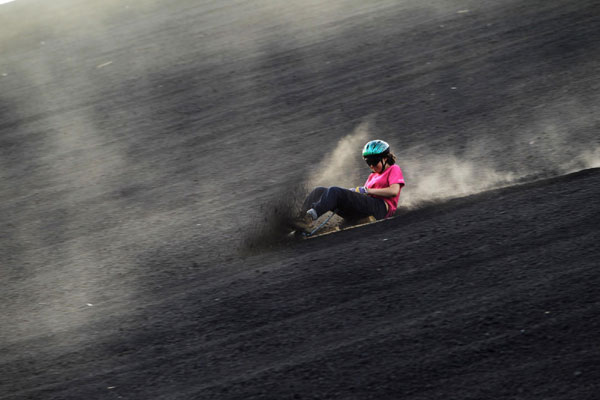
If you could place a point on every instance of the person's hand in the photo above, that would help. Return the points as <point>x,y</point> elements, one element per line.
<point>360,189</point>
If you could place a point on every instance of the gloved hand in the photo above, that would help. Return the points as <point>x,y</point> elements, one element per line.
<point>360,189</point>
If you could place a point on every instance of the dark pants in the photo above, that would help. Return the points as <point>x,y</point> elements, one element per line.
<point>346,203</point>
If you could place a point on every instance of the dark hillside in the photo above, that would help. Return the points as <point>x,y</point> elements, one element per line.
<point>490,296</point>
<point>144,143</point>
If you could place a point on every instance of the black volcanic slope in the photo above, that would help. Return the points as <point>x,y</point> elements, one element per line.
<point>489,296</point>
<point>144,144</point>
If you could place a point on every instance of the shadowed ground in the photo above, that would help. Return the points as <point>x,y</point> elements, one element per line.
<point>144,146</point>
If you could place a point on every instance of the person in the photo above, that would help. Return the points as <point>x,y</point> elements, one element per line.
<point>378,197</point>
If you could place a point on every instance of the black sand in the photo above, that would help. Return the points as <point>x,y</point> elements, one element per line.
<point>143,146</point>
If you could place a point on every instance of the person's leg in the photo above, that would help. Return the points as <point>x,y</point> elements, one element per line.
<point>313,198</point>
<point>307,215</point>
<point>349,204</point>
<point>356,206</point>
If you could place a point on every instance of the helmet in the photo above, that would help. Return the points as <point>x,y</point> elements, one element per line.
<point>376,148</point>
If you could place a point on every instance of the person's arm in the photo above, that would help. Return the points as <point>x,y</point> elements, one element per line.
<point>390,191</point>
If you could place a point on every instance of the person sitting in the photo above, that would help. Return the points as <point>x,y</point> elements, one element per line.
<point>378,197</point>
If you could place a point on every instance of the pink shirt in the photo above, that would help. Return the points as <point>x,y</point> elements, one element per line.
<point>380,181</point>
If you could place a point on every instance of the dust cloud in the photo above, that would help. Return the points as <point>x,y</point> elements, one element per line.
<point>590,158</point>
<point>69,199</point>
<point>544,149</point>
<point>563,136</point>
<point>338,167</point>
<point>433,177</point>
<point>437,177</point>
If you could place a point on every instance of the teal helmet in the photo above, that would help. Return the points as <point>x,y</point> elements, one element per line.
<point>376,148</point>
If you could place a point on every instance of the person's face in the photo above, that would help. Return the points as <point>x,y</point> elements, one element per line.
<point>375,163</point>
